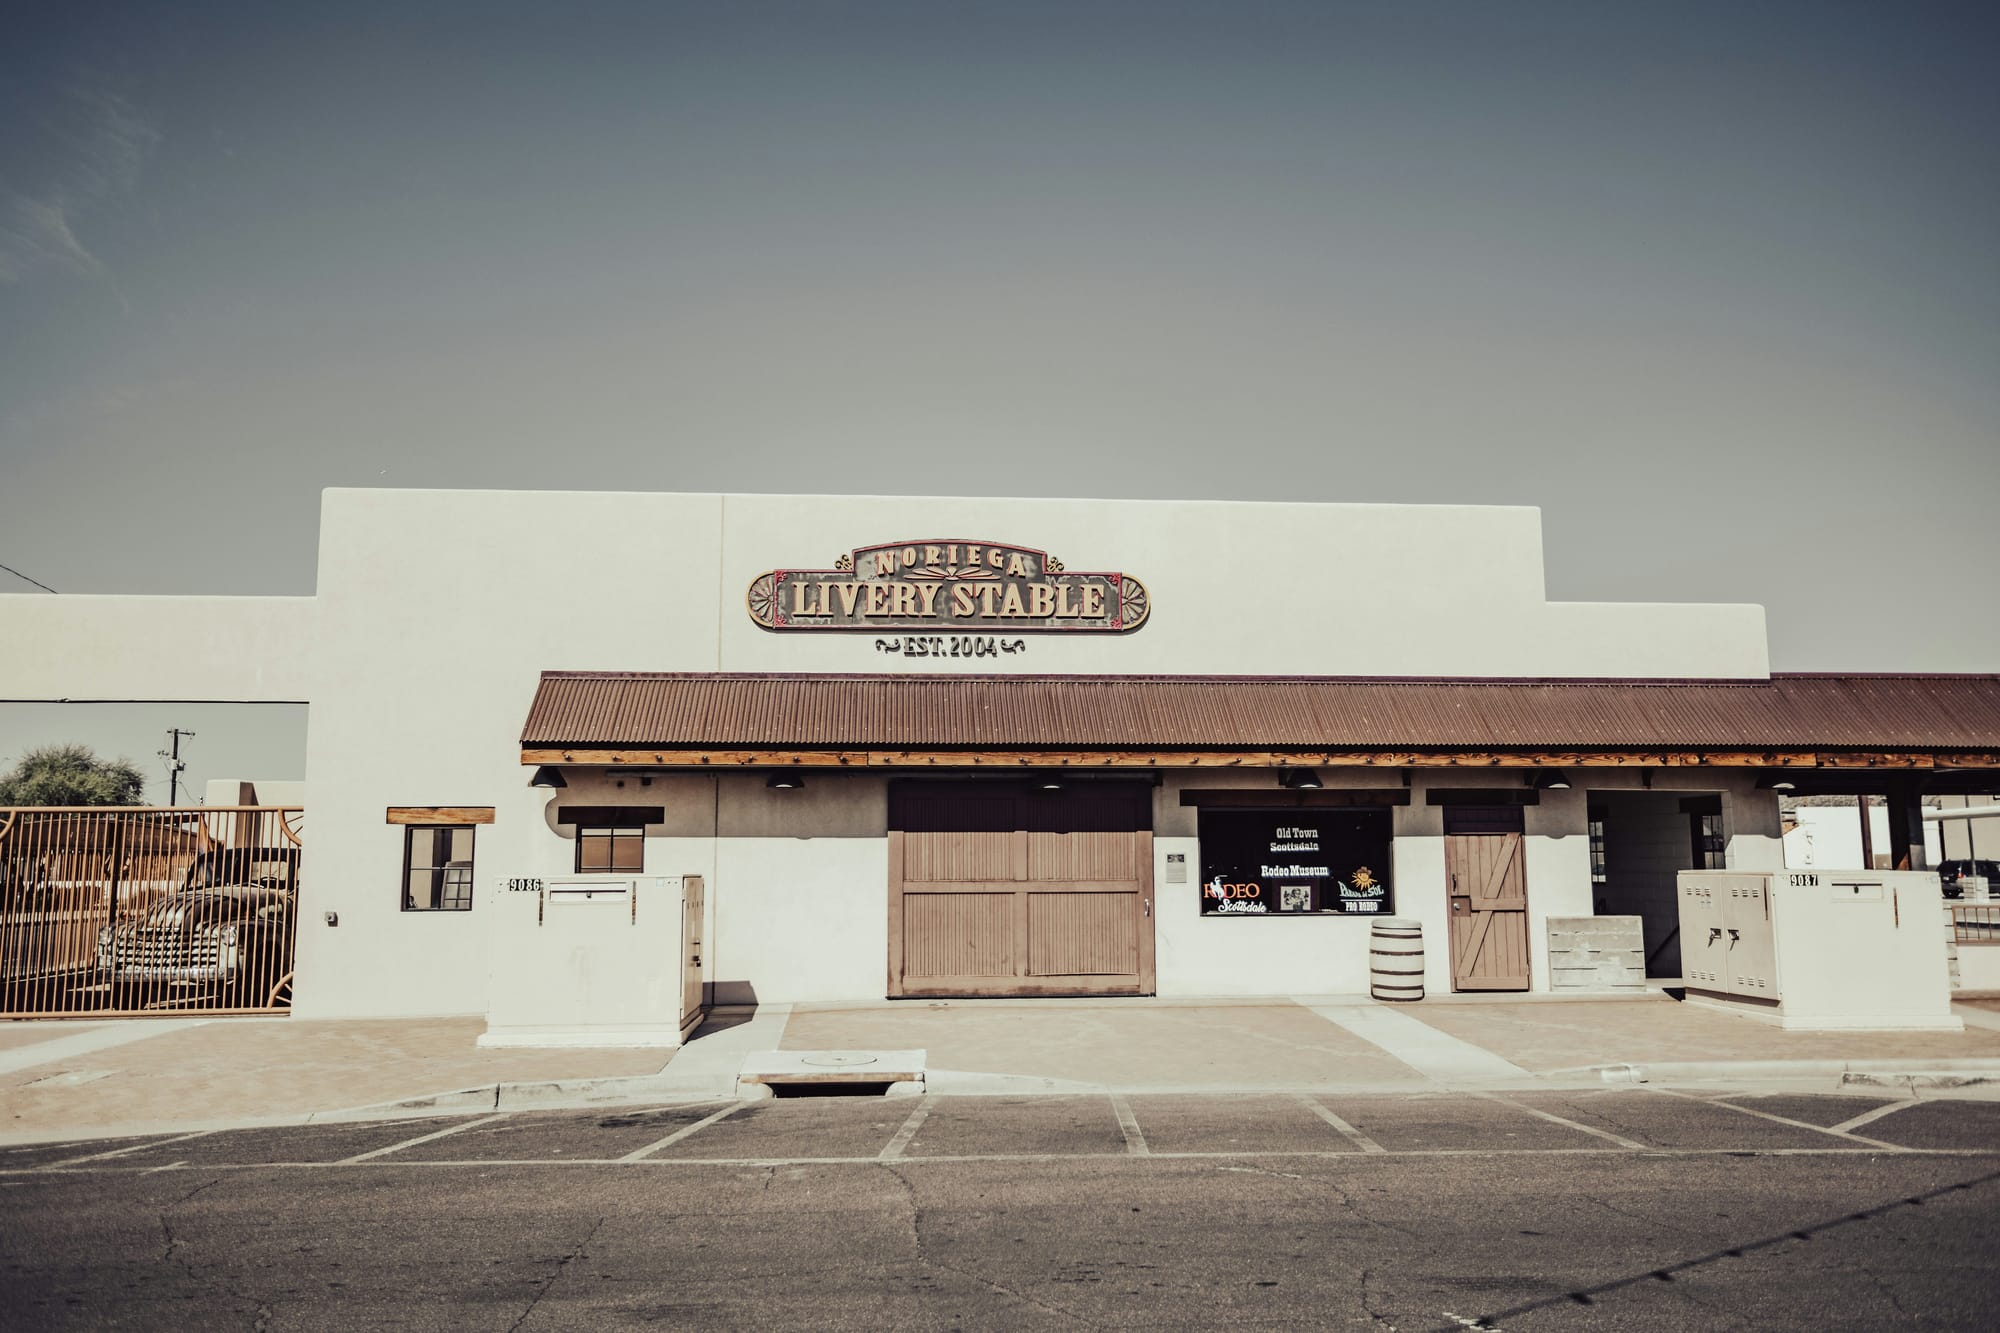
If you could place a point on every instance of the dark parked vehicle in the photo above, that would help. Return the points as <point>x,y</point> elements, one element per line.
<point>227,930</point>
<point>1950,872</point>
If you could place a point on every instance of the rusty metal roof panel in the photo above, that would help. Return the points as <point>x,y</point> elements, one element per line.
<point>751,711</point>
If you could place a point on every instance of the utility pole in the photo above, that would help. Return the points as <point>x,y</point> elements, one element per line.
<point>174,765</point>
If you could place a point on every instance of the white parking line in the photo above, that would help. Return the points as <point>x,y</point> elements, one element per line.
<point>1347,1131</point>
<point>893,1149</point>
<point>421,1138</point>
<point>1128,1124</point>
<point>1551,1116</point>
<point>1870,1117</point>
<point>682,1133</point>
<point>1782,1120</point>
<point>1332,1156</point>
<point>677,1106</point>
<point>120,1152</point>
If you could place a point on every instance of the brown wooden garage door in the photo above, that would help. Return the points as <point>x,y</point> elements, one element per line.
<point>998,889</point>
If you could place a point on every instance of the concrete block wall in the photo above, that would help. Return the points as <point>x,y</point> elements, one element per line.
<point>1645,847</point>
<point>1597,954</point>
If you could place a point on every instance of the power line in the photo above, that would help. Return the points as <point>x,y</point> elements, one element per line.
<point>19,575</point>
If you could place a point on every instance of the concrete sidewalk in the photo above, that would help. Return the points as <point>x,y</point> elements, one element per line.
<point>101,1078</point>
<point>1349,1043</point>
<point>97,1079</point>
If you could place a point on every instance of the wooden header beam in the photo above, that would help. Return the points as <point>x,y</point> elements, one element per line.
<point>439,814</point>
<point>1223,759</point>
<point>1324,798</point>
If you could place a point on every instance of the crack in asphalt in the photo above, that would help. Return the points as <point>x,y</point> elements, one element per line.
<point>923,1256</point>
<point>1368,1305</point>
<point>562,1265</point>
<point>1641,1218</point>
<point>1354,1210</point>
<point>167,1228</point>
<point>1881,1284</point>
<point>1715,1314</point>
<point>1618,1126</point>
<point>263,1312</point>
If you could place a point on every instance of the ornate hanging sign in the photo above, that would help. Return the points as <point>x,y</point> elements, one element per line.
<point>949,587</point>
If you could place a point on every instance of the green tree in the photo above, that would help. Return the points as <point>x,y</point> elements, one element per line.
<point>72,775</point>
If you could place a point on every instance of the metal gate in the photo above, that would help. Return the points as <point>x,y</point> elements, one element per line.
<point>109,911</point>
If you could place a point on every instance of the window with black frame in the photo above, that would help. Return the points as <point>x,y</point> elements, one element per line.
<point>437,868</point>
<point>1711,849</point>
<point>1600,862</point>
<point>1297,862</point>
<point>1708,847</point>
<point>610,839</point>
<point>616,851</point>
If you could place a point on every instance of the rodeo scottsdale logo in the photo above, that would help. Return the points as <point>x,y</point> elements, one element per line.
<point>949,587</point>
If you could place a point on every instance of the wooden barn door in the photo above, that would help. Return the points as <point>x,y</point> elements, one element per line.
<point>1489,897</point>
<point>997,889</point>
<point>694,912</point>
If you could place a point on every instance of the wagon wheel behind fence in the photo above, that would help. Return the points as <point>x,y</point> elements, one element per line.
<point>294,824</point>
<point>281,994</point>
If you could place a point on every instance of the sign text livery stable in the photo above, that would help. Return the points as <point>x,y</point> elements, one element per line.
<point>948,587</point>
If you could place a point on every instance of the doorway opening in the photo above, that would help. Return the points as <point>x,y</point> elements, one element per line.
<point>1640,841</point>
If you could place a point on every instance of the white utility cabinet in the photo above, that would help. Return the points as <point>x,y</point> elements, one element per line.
<point>595,960</point>
<point>1819,950</point>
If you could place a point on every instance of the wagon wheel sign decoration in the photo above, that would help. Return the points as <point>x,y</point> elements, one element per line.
<point>949,587</point>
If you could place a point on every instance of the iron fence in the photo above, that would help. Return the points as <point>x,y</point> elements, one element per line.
<point>1975,923</point>
<point>116,911</point>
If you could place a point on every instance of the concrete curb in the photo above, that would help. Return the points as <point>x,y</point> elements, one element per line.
<point>1915,1079</point>
<point>585,1094</point>
<point>543,1095</point>
<point>1841,1073</point>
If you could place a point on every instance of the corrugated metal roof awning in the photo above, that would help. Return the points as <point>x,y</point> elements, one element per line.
<point>725,711</point>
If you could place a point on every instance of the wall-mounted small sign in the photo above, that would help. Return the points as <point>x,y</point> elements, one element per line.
<point>954,645</point>
<point>947,587</point>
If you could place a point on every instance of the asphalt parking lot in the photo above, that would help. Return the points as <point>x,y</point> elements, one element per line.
<point>860,1129</point>
<point>1629,1208</point>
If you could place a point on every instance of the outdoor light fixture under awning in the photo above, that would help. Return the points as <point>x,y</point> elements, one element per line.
<point>548,775</point>
<point>1553,780</point>
<point>1776,782</point>
<point>786,781</point>
<point>1298,779</point>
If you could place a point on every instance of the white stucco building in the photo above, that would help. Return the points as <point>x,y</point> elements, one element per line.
<point>1030,762</point>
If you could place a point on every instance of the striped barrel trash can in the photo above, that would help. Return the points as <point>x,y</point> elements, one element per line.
<point>1396,959</point>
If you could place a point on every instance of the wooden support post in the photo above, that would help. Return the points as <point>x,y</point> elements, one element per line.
<point>1906,826</point>
<point>1867,832</point>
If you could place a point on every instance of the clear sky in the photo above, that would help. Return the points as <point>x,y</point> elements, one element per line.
<point>1716,285</point>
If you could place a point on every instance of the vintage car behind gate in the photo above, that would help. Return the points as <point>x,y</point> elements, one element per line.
<point>227,930</point>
